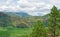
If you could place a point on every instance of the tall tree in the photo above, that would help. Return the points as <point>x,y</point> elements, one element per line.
<point>39,30</point>
<point>54,16</point>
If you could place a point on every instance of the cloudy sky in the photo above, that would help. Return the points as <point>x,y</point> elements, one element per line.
<point>32,7</point>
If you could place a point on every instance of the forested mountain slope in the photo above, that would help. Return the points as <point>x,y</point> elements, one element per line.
<point>13,20</point>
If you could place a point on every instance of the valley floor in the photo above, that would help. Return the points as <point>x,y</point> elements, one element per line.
<point>14,32</point>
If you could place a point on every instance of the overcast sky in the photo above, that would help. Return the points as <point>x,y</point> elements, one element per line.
<point>32,7</point>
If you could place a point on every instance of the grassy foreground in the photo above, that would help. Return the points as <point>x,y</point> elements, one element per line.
<point>14,32</point>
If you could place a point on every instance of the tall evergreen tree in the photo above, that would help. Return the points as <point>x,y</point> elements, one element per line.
<point>39,30</point>
<point>54,16</point>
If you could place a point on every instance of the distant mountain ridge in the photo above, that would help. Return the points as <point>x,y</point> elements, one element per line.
<point>21,14</point>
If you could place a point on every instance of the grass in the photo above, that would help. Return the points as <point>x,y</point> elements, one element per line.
<point>14,32</point>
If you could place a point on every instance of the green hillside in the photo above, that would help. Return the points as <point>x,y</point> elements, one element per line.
<point>7,20</point>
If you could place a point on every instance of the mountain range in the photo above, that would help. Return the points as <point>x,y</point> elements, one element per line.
<point>21,14</point>
<point>20,19</point>
<point>17,19</point>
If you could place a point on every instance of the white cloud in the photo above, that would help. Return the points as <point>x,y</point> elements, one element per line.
<point>32,7</point>
<point>55,2</point>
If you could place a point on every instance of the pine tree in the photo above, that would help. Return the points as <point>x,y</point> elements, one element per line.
<point>39,30</point>
<point>54,16</point>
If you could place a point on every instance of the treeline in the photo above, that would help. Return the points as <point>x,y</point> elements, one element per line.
<point>53,28</point>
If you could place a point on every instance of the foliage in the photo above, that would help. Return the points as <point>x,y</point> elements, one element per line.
<point>39,30</point>
<point>54,21</point>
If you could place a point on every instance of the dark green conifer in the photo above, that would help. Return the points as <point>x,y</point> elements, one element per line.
<point>39,30</point>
